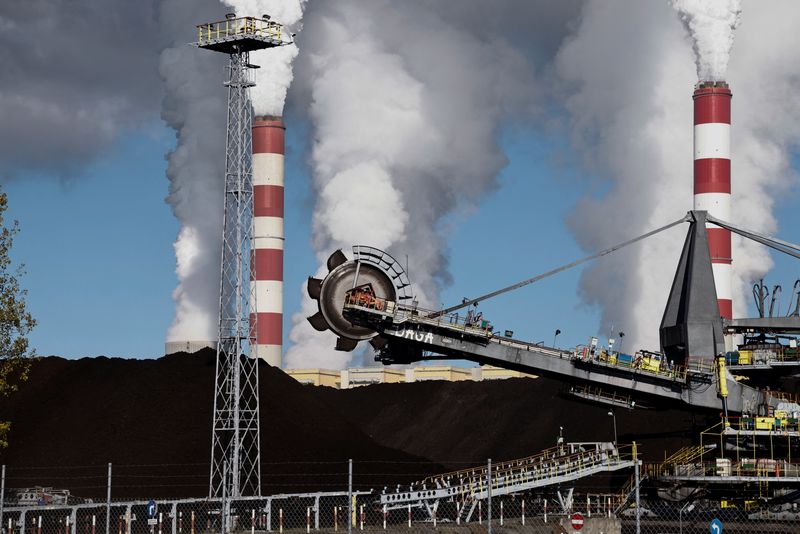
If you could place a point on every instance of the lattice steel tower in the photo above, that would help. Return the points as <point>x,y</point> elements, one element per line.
<point>235,440</point>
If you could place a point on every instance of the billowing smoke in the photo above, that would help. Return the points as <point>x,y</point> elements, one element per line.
<point>275,74</point>
<point>406,106</point>
<point>711,25</point>
<point>195,107</point>
<point>629,66</point>
<point>67,96</point>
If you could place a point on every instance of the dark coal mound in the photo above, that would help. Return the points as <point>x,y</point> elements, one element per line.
<point>455,422</point>
<point>152,420</point>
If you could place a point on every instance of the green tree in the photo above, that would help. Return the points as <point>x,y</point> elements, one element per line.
<point>15,320</point>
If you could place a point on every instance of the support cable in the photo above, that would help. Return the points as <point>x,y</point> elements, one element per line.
<point>781,246</point>
<point>559,269</point>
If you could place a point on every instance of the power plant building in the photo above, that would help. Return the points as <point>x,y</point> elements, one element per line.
<point>365,376</point>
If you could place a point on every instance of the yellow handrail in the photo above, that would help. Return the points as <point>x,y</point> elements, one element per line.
<point>224,29</point>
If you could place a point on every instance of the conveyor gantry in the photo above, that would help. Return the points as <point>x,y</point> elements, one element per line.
<point>414,336</point>
<point>368,299</point>
<point>562,464</point>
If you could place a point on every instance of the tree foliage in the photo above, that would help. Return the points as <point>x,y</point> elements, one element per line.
<point>15,320</point>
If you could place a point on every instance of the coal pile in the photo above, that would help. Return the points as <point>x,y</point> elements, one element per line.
<point>453,423</point>
<point>152,420</point>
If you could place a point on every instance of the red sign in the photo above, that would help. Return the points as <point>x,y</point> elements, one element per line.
<point>577,521</point>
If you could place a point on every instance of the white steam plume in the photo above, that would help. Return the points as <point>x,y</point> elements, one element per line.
<point>405,107</point>
<point>275,74</point>
<point>711,24</point>
<point>635,132</point>
<point>195,107</point>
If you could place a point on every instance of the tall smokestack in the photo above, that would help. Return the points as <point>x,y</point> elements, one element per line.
<point>268,152</point>
<point>712,179</point>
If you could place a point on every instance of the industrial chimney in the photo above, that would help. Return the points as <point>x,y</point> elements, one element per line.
<point>268,152</point>
<point>712,179</point>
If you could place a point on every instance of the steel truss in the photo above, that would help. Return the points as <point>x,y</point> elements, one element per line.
<point>235,441</point>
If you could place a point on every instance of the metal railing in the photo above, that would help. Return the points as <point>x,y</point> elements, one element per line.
<point>237,28</point>
<point>400,314</point>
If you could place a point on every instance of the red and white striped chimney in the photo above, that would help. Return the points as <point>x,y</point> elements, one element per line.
<point>268,152</point>
<point>712,179</point>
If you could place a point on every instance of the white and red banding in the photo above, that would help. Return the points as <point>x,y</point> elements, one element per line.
<point>712,179</point>
<point>268,154</point>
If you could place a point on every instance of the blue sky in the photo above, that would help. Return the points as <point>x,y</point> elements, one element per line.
<point>100,266</point>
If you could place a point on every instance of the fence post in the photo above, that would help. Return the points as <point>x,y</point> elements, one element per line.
<point>636,477</point>
<point>316,512</point>
<point>108,501</point>
<point>350,496</point>
<point>74,519</point>
<point>175,518</point>
<point>223,517</point>
<point>2,493</point>
<point>269,515</point>
<point>489,486</point>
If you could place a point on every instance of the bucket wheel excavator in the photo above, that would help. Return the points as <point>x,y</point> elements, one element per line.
<point>368,298</point>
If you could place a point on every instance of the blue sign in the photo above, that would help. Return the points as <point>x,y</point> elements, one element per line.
<point>151,511</point>
<point>716,526</point>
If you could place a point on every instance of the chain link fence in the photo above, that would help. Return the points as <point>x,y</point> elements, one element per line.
<point>386,496</point>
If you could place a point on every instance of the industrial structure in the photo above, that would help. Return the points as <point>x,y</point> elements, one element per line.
<point>467,489</point>
<point>712,179</point>
<point>747,463</point>
<point>268,153</point>
<point>748,456</point>
<point>235,440</point>
<point>361,299</point>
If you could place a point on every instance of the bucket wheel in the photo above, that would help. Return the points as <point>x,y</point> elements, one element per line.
<point>368,266</point>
